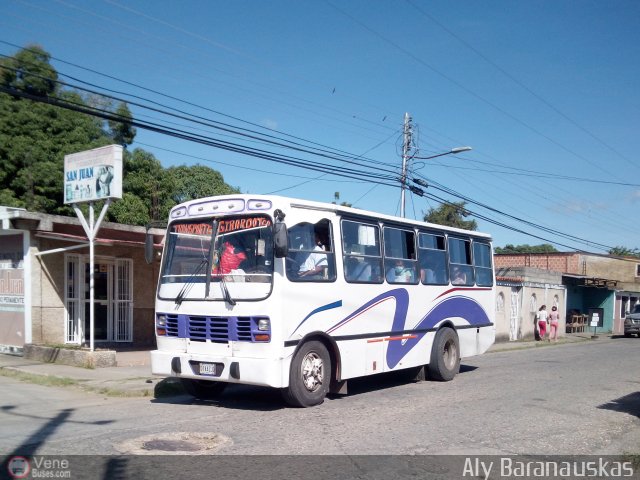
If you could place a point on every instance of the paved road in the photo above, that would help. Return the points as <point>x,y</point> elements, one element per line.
<point>570,399</point>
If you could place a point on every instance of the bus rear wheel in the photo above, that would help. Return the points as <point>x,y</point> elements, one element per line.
<point>445,356</point>
<point>203,389</point>
<point>309,376</point>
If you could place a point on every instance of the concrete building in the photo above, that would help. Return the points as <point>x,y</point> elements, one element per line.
<point>602,284</point>
<point>520,292</point>
<point>44,282</point>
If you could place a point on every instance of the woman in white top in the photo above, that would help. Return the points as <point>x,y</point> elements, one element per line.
<point>541,317</point>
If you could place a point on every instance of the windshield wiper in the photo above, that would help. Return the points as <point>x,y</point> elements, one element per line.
<point>223,282</point>
<point>225,291</point>
<point>188,283</point>
<point>212,240</point>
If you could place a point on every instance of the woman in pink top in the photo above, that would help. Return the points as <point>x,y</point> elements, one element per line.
<point>554,316</point>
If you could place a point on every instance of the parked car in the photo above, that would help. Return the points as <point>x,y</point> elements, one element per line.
<point>632,322</point>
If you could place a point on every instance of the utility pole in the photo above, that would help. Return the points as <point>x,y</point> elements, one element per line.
<point>406,146</point>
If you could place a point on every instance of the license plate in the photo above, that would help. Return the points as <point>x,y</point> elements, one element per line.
<point>207,369</point>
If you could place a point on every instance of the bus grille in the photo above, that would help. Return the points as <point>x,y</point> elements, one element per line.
<point>200,328</point>
<point>172,325</point>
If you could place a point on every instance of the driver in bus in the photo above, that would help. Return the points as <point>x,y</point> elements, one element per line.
<point>316,263</point>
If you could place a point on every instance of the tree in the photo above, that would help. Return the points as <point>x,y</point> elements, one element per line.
<point>190,182</point>
<point>130,209</point>
<point>452,215</point>
<point>542,248</point>
<point>123,132</point>
<point>29,70</point>
<point>144,178</point>
<point>624,252</point>
<point>35,137</point>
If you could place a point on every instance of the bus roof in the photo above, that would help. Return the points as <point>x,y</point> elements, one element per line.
<point>278,201</point>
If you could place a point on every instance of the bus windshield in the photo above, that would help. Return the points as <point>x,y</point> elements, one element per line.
<point>205,258</point>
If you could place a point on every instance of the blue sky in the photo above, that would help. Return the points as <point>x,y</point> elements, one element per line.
<point>548,87</point>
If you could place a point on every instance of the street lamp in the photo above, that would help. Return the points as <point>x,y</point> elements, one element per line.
<point>452,151</point>
<point>403,179</point>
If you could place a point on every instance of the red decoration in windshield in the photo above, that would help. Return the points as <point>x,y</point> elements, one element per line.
<point>230,260</point>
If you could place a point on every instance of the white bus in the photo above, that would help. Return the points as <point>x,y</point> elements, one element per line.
<point>302,296</point>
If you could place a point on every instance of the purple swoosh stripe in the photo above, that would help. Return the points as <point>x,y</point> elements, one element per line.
<point>402,304</point>
<point>462,307</point>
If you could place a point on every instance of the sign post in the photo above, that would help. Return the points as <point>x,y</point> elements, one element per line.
<point>89,176</point>
<point>596,319</point>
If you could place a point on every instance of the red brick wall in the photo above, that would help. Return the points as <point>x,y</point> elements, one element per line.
<point>555,262</point>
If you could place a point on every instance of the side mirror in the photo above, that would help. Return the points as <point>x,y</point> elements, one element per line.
<point>148,248</point>
<point>280,240</point>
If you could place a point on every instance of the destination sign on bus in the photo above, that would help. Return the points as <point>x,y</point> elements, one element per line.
<point>228,226</point>
<point>225,226</point>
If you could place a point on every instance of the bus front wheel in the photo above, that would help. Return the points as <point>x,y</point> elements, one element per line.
<point>203,389</point>
<point>309,376</point>
<point>445,356</point>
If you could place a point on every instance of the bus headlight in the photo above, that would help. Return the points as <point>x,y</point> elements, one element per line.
<point>264,325</point>
<point>161,325</point>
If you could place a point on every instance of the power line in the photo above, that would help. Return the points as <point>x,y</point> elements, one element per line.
<point>293,161</point>
<point>219,143</point>
<point>237,148</point>
<point>437,186</point>
<point>466,89</point>
<point>534,174</point>
<point>521,84</point>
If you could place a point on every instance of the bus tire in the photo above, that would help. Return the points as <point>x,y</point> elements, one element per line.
<point>203,389</point>
<point>309,375</point>
<point>445,356</point>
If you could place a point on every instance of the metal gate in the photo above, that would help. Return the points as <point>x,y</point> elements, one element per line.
<point>119,301</point>
<point>514,318</point>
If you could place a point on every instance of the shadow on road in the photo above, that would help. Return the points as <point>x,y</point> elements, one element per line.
<point>248,397</point>
<point>38,438</point>
<point>628,404</point>
<point>236,397</point>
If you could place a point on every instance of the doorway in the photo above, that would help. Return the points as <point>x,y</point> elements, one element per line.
<point>102,314</point>
<point>113,299</point>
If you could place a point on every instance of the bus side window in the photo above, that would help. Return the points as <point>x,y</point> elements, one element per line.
<point>362,256</point>
<point>311,257</point>
<point>400,261</point>
<point>460,267</point>
<point>482,263</point>
<point>432,257</point>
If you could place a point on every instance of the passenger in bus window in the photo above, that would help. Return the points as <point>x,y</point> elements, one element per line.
<point>316,263</point>
<point>400,272</point>
<point>358,270</point>
<point>458,277</point>
<point>428,276</point>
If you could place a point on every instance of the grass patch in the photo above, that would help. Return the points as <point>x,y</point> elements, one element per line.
<point>167,387</point>
<point>45,380</point>
<point>633,458</point>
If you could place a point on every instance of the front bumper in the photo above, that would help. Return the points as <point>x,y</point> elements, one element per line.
<point>252,371</point>
<point>633,328</point>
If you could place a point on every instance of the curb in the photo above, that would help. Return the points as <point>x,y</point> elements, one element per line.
<point>139,387</point>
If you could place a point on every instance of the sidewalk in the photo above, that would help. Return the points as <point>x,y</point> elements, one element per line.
<point>564,340</point>
<point>132,377</point>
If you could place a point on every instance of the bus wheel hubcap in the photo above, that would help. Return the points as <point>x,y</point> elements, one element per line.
<point>312,371</point>
<point>450,354</point>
